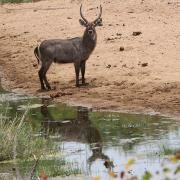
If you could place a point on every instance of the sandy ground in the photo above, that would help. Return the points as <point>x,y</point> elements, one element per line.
<point>118,80</point>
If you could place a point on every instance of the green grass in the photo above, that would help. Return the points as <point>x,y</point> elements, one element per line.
<point>14,1</point>
<point>19,145</point>
<point>17,140</point>
<point>52,167</point>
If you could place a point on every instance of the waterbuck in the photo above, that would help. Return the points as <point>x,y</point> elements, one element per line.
<point>76,50</point>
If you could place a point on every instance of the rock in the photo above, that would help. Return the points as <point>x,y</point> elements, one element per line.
<point>109,39</point>
<point>35,65</point>
<point>121,48</point>
<point>136,33</point>
<point>59,94</point>
<point>118,34</point>
<point>56,82</point>
<point>1,37</point>
<point>108,66</point>
<point>124,66</point>
<point>144,64</point>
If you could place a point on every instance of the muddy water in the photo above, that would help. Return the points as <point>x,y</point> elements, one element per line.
<point>88,138</point>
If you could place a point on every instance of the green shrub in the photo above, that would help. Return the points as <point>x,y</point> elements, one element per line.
<point>14,1</point>
<point>18,141</point>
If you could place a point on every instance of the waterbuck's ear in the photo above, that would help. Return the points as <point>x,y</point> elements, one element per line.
<point>82,22</point>
<point>98,22</point>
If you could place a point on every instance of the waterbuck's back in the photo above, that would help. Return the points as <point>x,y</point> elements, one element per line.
<point>61,50</point>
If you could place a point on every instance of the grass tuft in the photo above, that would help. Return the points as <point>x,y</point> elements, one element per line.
<point>14,1</point>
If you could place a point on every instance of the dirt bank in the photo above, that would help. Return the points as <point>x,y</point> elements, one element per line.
<point>145,77</point>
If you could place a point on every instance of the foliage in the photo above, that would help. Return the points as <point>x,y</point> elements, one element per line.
<point>27,143</point>
<point>19,144</point>
<point>51,167</point>
<point>147,175</point>
<point>14,1</point>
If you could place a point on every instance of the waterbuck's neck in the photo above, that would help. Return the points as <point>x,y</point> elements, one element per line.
<point>89,41</point>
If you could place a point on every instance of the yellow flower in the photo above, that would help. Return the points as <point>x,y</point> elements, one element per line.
<point>96,178</point>
<point>112,174</point>
<point>173,159</point>
<point>129,163</point>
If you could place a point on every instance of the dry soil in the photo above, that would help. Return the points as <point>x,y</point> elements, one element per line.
<point>143,76</point>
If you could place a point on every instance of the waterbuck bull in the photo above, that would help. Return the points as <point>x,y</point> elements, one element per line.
<point>76,50</point>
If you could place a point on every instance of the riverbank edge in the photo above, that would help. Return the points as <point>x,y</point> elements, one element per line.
<point>7,85</point>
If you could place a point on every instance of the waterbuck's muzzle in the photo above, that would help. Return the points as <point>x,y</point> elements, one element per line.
<point>90,31</point>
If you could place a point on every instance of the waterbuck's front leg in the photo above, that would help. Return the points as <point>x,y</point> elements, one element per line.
<point>83,69</point>
<point>77,70</point>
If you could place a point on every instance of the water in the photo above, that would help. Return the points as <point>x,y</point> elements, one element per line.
<point>89,139</point>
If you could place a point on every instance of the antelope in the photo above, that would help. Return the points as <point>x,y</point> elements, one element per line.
<point>76,50</point>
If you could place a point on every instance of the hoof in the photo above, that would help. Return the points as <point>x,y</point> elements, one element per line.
<point>53,88</point>
<point>48,88</point>
<point>85,84</point>
<point>41,90</point>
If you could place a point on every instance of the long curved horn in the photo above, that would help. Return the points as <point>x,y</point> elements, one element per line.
<point>82,14</point>
<point>99,14</point>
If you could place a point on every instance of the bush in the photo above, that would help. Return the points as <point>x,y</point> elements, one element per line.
<point>14,1</point>
<point>17,140</point>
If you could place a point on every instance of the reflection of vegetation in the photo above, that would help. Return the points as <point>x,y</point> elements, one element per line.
<point>167,151</point>
<point>131,128</point>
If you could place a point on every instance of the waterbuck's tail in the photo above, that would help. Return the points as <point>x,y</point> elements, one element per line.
<point>36,53</point>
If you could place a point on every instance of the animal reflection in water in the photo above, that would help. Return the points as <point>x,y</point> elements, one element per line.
<point>78,129</point>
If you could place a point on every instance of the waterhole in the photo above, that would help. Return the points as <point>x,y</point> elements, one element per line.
<point>95,142</point>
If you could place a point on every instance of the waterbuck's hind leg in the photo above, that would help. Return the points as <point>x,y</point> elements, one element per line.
<point>46,67</point>
<point>41,78</point>
<point>42,75</point>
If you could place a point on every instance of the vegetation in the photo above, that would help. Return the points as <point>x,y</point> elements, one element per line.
<point>17,140</point>
<point>14,1</point>
<point>21,142</point>
<point>22,149</point>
